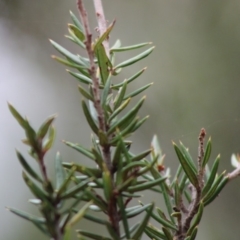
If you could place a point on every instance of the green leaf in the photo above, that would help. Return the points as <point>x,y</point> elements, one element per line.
<point>167,233</point>
<point>177,194</point>
<point>135,59</point>
<point>27,216</point>
<point>188,157</point>
<point>82,78</point>
<point>194,233</point>
<point>138,91</point>
<point>186,166</point>
<point>79,215</point>
<point>212,176</point>
<point>126,132</point>
<point>98,158</point>
<point>196,220</point>
<point>136,210</point>
<point>127,117</point>
<point>103,62</point>
<point>127,48</point>
<point>81,149</point>
<point>107,184</point>
<point>27,167</point>
<point>147,185</point>
<point>92,235</point>
<point>104,36</point>
<point>91,172</point>
<point>207,153</point>
<point>17,116</point>
<point>141,155</point>
<point>77,32</point>
<point>76,21</point>
<point>120,96</point>
<point>74,38</point>
<point>71,64</point>
<point>95,219</point>
<point>143,224</point>
<point>67,54</point>
<point>133,165</point>
<point>65,181</point>
<point>219,188</point>
<point>35,189</point>
<point>59,171</point>
<point>85,93</point>
<point>124,216</point>
<point>154,233</point>
<point>135,76</point>
<point>139,123</point>
<point>45,127</point>
<point>106,91</point>
<point>164,222</point>
<point>50,140</point>
<point>119,109</point>
<point>89,118</point>
<point>97,200</point>
<point>212,193</point>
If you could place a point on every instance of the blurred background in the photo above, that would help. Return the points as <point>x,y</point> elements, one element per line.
<point>196,73</point>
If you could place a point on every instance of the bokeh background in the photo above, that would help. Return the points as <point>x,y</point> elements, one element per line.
<point>196,73</point>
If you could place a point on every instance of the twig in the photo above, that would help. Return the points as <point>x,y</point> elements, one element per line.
<point>235,173</point>
<point>106,148</point>
<point>102,24</point>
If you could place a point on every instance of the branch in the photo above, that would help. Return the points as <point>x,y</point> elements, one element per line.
<point>92,70</point>
<point>102,24</point>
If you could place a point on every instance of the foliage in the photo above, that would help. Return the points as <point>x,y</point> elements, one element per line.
<point>119,174</point>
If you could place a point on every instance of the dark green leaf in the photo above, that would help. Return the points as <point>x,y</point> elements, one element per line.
<point>122,49</point>
<point>135,76</point>
<point>81,77</point>
<point>27,167</point>
<point>27,216</point>
<point>67,54</point>
<point>91,172</point>
<point>207,153</point>
<point>17,116</point>
<point>143,224</point>
<point>119,109</point>
<point>92,235</point>
<point>212,176</point>
<point>188,157</point>
<point>95,219</point>
<point>81,149</point>
<point>147,185</point>
<point>45,127</point>
<point>106,91</point>
<point>76,21</point>
<point>135,59</point>
<point>104,36</point>
<point>119,98</point>
<point>77,32</point>
<point>167,233</point>
<point>154,233</point>
<point>221,185</point>
<point>186,166</point>
<point>138,91</point>
<point>127,117</point>
<point>103,62</point>
<point>59,171</point>
<point>122,210</point>
<point>50,140</point>
<point>85,93</point>
<point>196,220</point>
<point>89,118</point>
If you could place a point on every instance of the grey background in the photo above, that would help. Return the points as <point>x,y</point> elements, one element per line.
<point>195,69</point>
